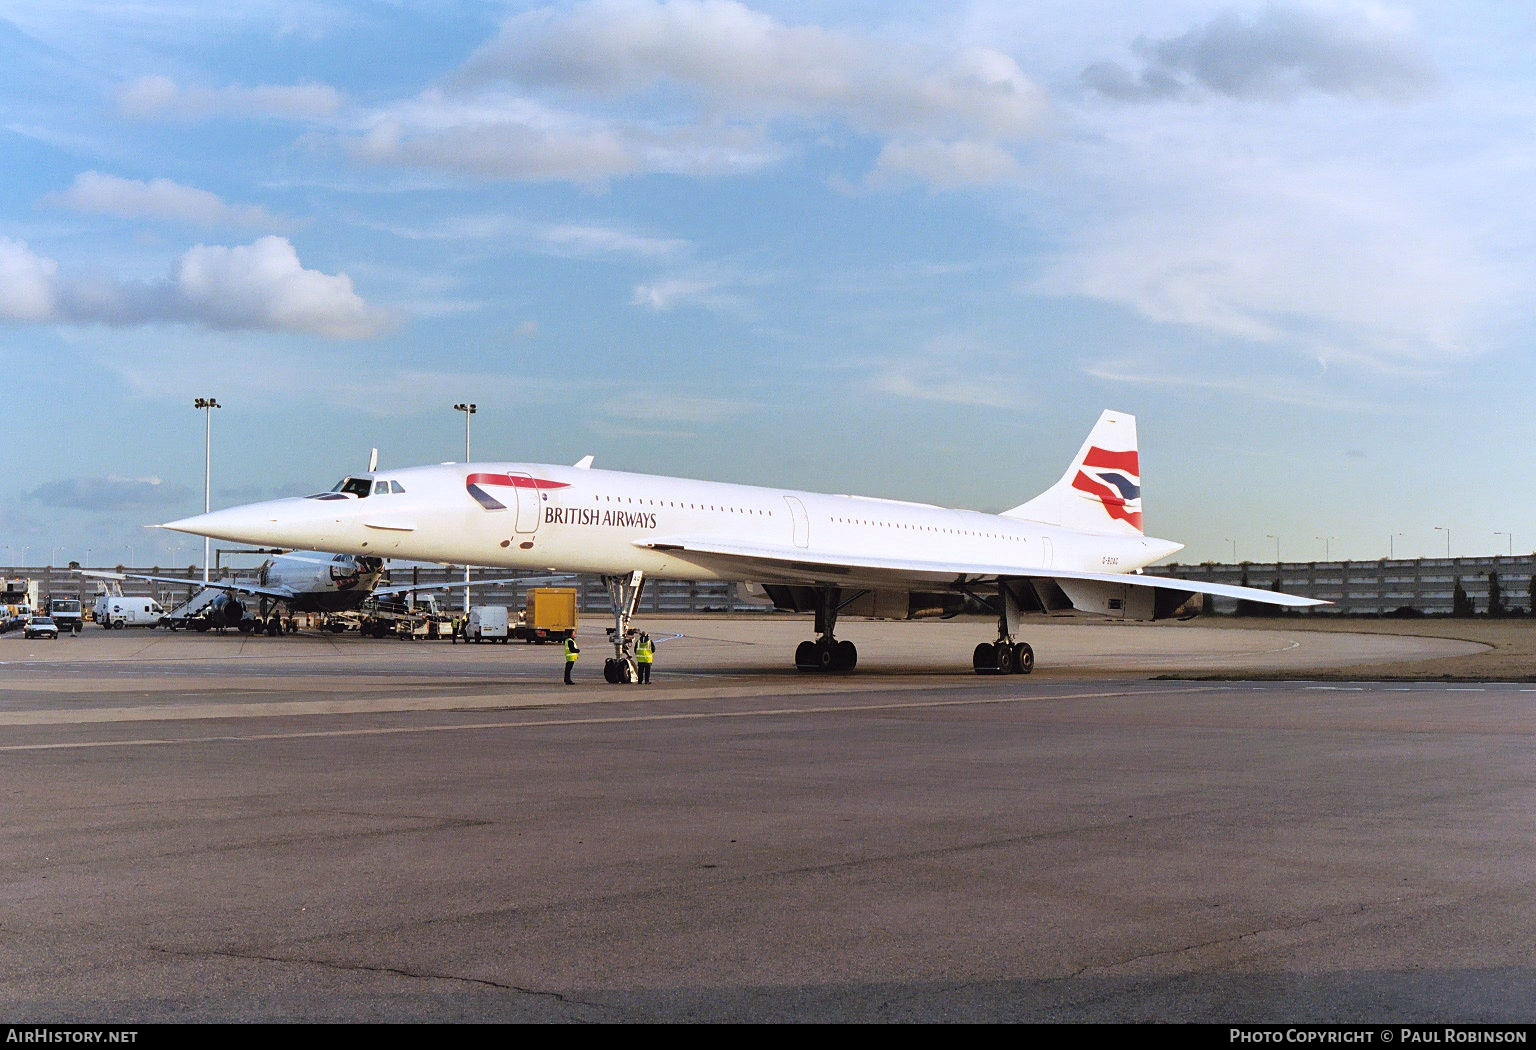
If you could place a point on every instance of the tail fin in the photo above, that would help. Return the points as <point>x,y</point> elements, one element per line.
<point>1101,490</point>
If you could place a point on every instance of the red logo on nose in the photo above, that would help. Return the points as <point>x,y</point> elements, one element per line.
<point>517,481</point>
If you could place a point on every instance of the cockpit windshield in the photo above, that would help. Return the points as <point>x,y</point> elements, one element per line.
<point>358,488</point>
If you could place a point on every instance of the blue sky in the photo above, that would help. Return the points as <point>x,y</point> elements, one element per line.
<point>907,250</point>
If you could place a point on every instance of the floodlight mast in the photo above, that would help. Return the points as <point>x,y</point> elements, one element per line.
<point>468,408</point>
<point>206,405</point>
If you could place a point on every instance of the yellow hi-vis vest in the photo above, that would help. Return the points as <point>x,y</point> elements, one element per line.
<point>571,650</point>
<point>645,653</point>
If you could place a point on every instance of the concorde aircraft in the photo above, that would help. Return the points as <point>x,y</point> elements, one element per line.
<point>1077,547</point>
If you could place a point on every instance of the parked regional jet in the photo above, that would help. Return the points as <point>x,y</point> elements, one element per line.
<point>1079,546</point>
<point>299,581</point>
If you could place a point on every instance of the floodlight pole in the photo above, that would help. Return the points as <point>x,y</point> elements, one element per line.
<point>207,405</point>
<point>468,408</point>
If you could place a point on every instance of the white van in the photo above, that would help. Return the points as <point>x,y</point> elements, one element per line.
<point>487,623</point>
<point>114,610</point>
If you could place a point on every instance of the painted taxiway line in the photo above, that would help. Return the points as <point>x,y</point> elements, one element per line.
<point>542,723</point>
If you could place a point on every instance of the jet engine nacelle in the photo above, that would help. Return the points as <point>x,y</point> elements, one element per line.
<point>226,611</point>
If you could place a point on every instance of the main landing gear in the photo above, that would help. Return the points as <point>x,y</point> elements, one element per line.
<point>624,593</point>
<point>1005,656</point>
<point>826,653</point>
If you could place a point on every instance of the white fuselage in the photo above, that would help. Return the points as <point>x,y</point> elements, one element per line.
<point>542,516</point>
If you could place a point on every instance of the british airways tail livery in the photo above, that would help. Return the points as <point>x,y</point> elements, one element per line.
<point>1077,547</point>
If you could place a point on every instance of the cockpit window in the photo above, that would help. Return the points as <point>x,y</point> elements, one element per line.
<point>358,487</point>
<point>395,486</point>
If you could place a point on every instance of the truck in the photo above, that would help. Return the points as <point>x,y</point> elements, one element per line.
<point>65,612</point>
<point>487,623</point>
<point>18,597</point>
<point>118,611</point>
<point>550,615</point>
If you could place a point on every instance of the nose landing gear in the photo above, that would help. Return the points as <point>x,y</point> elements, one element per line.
<point>624,593</point>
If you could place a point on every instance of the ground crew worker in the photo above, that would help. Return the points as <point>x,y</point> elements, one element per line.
<point>571,652</point>
<point>645,655</point>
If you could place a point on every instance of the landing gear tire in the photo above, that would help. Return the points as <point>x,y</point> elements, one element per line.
<point>619,672</point>
<point>846,657</point>
<point>984,659</point>
<point>805,657</point>
<point>826,656</point>
<point>1003,658</point>
<point>275,626</point>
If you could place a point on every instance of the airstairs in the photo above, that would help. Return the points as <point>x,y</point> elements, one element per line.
<point>193,606</point>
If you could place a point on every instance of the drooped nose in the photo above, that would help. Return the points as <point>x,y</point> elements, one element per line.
<point>260,523</point>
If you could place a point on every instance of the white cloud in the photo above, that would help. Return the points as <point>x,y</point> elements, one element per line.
<point>715,84</point>
<point>263,285</point>
<point>102,194</point>
<point>605,240</point>
<point>910,381</point>
<point>665,294</point>
<point>748,62</point>
<point>953,370</point>
<point>258,286</point>
<point>28,283</point>
<point>1284,50</point>
<point>502,136</point>
<point>1324,261</point>
<point>162,97</point>
<point>945,165</point>
<point>1278,389</point>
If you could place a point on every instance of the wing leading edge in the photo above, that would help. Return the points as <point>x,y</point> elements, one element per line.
<point>227,586</point>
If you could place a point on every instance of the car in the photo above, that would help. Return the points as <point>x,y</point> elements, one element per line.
<point>40,627</point>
